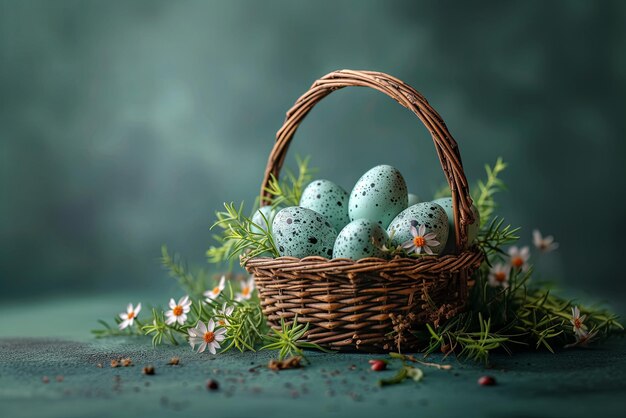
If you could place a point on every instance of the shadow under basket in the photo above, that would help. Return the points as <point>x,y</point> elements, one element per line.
<point>371,304</point>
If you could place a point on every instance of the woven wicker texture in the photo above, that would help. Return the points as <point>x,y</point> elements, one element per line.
<point>370,304</point>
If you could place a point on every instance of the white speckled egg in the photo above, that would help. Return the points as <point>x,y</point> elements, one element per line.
<point>472,231</point>
<point>360,239</point>
<point>429,214</point>
<point>379,195</point>
<point>329,199</point>
<point>300,232</point>
<point>257,218</point>
<point>413,199</point>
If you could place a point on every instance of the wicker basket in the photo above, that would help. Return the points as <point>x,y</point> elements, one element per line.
<point>371,304</point>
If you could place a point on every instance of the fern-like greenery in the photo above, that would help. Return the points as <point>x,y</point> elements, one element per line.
<point>241,236</point>
<point>485,191</point>
<point>288,340</point>
<point>523,314</point>
<point>287,192</point>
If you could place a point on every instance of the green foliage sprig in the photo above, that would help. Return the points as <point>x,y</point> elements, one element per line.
<point>192,283</point>
<point>522,314</point>
<point>484,198</point>
<point>288,340</point>
<point>287,192</point>
<point>241,236</point>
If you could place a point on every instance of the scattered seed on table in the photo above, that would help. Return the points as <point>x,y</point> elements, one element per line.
<point>487,381</point>
<point>149,370</point>
<point>126,362</point>
<point>45,379</point>
<point>99,365</point>
<point>212,384</point>
<point>174,361</point>
<point>115,363</point>
<point>59,378</point>
<point>378,365</point>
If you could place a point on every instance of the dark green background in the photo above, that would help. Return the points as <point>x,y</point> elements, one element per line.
<point>124,125</point>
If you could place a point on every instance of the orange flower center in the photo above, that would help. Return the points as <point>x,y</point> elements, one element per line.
<point>131,315</point>
<point>208,337</point>
<point>245,291</point>
<point>500,276</point>
<point>577,323</point>
<point>517,262</point>
<point>178,310</point>
<point>419,241</point>
<point>221,322</point>
<point>216,290</point>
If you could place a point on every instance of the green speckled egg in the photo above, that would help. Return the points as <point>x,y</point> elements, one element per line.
<point>300,232</point>
<point>329,199</point>
<point>360,239</point>
<point>472,231</point>
<point>413,199</point>
<point>257,218</point>
<point>379,195</point>
<point>429,214</point>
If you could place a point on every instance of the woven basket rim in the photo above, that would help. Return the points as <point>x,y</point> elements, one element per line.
<point>398,266</point>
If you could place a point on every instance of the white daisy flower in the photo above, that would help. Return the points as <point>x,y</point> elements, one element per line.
<point>178,311</point>
<point>544,244</point>
<point>499,275</point>
<point>247,287</point>
<point>215,292</point>
<point>224,313</point>
<point>421,240</point>
<point>580,329</point>
<point>128,317</point>
<point>519,257</point>
<point>206,336</point>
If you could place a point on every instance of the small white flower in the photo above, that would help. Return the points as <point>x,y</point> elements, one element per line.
<point>215,292</point>
<point>128,317</point>
<point>421,240</point>
<point>224,313</point>
<point>247,287</point>
<point>499,275</point>
<point>582,340</point>
<point>206,336</point>
<point>580,329</point>
<point>544,244</point>
<point>519,257</point>
<point>178,311</point>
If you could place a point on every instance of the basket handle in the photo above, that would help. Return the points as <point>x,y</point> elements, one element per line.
<point>446,146</point>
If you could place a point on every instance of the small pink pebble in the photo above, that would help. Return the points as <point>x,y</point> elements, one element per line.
<point>487,381</point>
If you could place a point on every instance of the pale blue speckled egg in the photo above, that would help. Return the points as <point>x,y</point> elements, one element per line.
<point>379,195</point>
<point>472,231</point>
<point>257,218</point>
<point>429,214</point>
<point>329,199</point>
<point>413,199</point>
<point>301,232</point>
<point>360,239</point>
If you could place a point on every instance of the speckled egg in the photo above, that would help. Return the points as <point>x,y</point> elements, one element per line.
<point>413,199</point>
<point>257,218</point>
<point>379,195</point>
<point>429,214</point>
<point>359,239</point>
<point>329,199</point>
<point>472,231</point>
<point>300,232</point>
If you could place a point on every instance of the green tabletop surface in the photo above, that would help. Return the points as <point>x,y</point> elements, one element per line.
<point>49,367</point>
